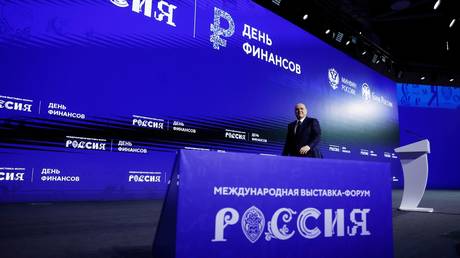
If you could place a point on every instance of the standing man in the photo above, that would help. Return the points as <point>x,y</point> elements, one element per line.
<point>303,135</point>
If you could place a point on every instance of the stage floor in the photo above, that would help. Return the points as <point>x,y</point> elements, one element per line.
<point>126,228</point>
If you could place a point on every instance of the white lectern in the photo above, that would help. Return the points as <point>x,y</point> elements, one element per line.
<point>414,161</point>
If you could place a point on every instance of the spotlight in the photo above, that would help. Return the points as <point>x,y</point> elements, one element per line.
<point>375,59</point>
<point>447,45</point>
<point>422,78</point>
<point>389,67</point>
<point>347,43</point>
<point>452,23</point>
<point>305,17</point>
<point>451,80</point>
<point>364,52</point>
<point>354,40</point>
<point>339,37</point>
<point>436,5</point>
<point>277,2</point>
<point>327,31</point>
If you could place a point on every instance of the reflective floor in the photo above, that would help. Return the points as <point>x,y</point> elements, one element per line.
<point>126,229</point>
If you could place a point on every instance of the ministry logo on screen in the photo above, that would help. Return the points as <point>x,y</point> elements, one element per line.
<point>334,78</point>
<point>366,92</point>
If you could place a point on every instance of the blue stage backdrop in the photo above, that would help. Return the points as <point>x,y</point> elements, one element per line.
<point>433,113</point>
<point>97,96</point>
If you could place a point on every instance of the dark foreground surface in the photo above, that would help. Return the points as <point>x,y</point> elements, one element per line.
<point>126,228</point>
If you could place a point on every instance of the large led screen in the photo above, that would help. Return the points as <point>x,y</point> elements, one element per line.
<point>97,96</point>
<point>432,112</point>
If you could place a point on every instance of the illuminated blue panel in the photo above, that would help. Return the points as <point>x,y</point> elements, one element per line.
<point>108,90</point>
<point>418,95</point>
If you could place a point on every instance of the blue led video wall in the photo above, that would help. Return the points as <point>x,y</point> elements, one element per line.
<point>97,96</point>
<point>433,112</point>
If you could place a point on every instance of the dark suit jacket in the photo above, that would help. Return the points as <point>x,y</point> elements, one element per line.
<point>309,134</point>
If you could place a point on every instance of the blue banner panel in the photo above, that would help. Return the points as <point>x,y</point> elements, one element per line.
<point>61,176</point>
<point>428,96</point>
<point>433,112</point>
<point>100,89</point>
<point>246,205</point>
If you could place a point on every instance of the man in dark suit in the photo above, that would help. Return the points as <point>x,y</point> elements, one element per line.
<point>303,135</point>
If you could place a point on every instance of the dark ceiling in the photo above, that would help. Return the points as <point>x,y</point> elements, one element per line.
<point>407,40</point>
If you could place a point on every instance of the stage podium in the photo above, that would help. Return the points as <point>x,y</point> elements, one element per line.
<point>227,205</point>
<point>414,161</point>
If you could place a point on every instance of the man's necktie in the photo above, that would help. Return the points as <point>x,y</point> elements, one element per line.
<point>297,126</point>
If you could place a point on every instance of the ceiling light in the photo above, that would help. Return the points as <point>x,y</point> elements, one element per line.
<point>447,45</point>
<point>375,58</point>
<point>364,52</point>
<point>422,78</point>
<point>339,36</point>
<point>347,43</point>
<point>327,31</point>
<point>354,40</point>
<point>305,17</point>
<point>451,80</point>
<point>436,5</point>
<point>452,23</point>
